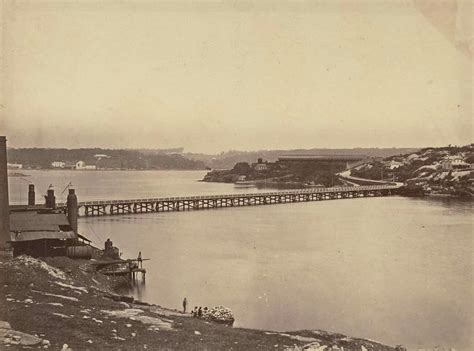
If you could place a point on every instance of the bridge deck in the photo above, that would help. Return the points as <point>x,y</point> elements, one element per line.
<point>183,203</point>
<point>229,196</point>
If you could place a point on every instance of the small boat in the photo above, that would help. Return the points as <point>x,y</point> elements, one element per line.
<point>242,183</point>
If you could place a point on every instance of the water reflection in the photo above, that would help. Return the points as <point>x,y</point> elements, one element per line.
<point>135,288</point>
<point>367,267</point>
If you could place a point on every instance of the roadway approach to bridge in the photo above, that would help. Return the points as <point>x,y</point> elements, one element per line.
<point>189,203</point>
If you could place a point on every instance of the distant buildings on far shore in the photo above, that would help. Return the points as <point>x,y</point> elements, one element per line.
<point>454,162</point>
<point>284,162</point>
<point>101,156</point>
<point>260,165</point>
<point>79,165</point>
<point>58,164</point>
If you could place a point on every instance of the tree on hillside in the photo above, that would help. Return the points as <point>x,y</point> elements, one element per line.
<point>241,168</point>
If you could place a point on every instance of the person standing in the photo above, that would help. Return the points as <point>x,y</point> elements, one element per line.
<point>139,259</point>
<point>185,304</point>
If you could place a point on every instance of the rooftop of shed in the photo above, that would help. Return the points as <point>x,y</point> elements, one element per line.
<point>38,225</point>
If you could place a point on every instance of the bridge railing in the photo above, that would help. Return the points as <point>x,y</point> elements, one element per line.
<point>388,186</point>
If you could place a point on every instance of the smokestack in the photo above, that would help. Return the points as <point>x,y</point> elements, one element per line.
<point>4,202</point>
<point>31,195</point>
<point>72,211</point>
<point>50,199</point>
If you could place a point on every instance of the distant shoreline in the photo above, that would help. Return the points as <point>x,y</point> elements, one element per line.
<point>17,174</point>
<point>105,169</point>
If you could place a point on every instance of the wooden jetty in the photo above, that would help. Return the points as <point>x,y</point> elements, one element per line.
<point>129,268</point>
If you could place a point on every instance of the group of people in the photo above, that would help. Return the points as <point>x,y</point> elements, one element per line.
<point>196,312</point>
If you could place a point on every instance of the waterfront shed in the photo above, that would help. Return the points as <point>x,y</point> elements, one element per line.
<point>40,233</point>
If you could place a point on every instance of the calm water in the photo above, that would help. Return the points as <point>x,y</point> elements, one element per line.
<point>396,270</point>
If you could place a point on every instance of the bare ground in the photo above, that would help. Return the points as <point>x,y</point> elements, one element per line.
<point>72,306</point>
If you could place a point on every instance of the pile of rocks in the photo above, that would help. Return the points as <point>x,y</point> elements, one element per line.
<point>219,314</point>
<point>13,337</point>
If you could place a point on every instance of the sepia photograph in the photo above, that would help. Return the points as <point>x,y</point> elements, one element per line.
<point>291,175</point>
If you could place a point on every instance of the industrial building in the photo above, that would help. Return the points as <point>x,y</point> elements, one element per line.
<point>39,233</point>
<point>335,162</point>
<point>39,230</point>
<point>42,230</point>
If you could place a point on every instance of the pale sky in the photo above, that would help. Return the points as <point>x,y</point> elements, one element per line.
<point>212,76</point>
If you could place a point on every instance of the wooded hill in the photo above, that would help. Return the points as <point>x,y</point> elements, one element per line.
<point>42,158</point>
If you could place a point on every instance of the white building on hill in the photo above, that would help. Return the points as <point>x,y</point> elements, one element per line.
<point>451,162</point>
<point>394,164</point>
<point>81,165</point>
<point>58,164</point>
<point>101,156</point>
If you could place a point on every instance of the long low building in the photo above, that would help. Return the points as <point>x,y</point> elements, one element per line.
<point>318,158</point>
<point>338,162</point>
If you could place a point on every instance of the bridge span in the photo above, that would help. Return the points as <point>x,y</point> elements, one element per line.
<point>187,203</point>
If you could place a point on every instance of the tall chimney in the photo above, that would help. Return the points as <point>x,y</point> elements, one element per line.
<point>4,202</point>
<point>72,211</point>
<point>31,195</point>
<point>50,199</point>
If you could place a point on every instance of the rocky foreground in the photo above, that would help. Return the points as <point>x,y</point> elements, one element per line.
<point>61,304</point>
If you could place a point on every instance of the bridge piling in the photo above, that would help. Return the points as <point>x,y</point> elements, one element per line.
<point>178,204</point>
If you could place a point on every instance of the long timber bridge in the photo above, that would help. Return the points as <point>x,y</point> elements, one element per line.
<point>187,203</point>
